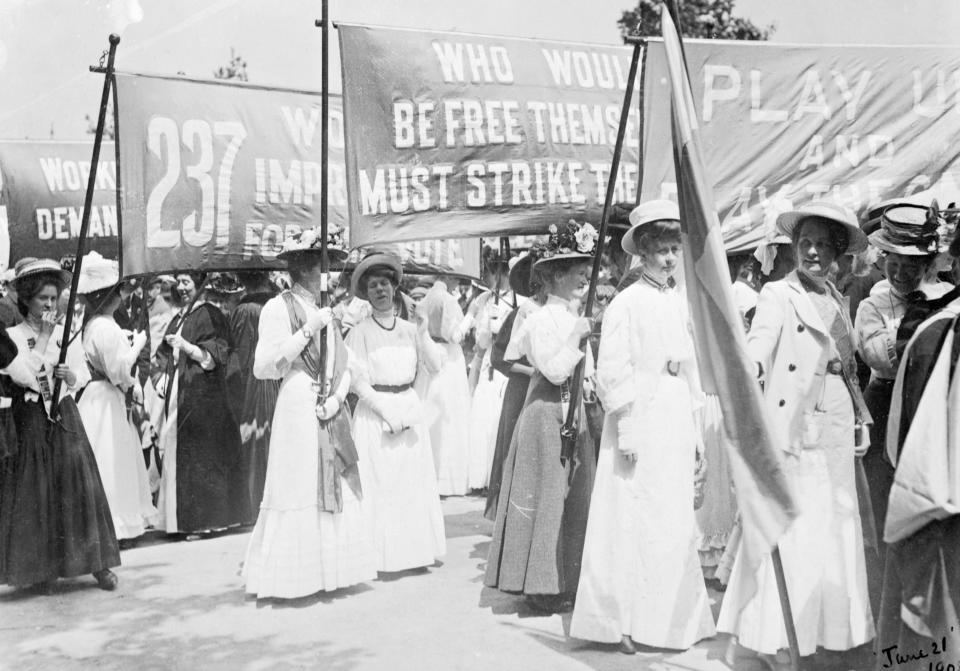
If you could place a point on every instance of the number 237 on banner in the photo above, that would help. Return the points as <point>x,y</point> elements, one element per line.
<point>201,220</point>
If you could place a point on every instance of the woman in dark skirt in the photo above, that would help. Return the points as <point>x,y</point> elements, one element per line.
<point>254,400</point>
<point>542,510</point>
<point>8,442</point>
<point>201,489</point>
<point>55,515</point>
<point>517,369</point>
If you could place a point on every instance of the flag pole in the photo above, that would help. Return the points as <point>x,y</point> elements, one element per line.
<point>85,218</point>
<point>324,25</point>
<point>569,429</point>
<point>673,9</point>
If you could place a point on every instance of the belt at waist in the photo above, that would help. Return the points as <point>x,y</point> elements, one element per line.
<point>439,340</point>
<point>672,368</point>
<point>835,367</point>
<point>393,388</point>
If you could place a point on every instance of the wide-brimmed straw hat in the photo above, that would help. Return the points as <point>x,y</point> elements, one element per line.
<point>372,260</point>
<point>647,213</point>
<point>835,214</point>
<point>571,240</point>
<point>309,242</point>
<point>907,229</point>
<point>28,266</point>
<point>97,273</point>
<point>521,274</point>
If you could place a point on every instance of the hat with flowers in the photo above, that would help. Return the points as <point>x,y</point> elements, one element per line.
<point>309,241</point>
<point>571,240</point>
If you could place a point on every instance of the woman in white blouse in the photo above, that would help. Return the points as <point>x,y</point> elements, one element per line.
<point>641,579</point>
<point>103,406</point>
<point>314,528</point>
<point>544,500</point>
<point>401,483</point>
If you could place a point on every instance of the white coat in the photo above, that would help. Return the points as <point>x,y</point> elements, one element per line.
<point>792,344</point>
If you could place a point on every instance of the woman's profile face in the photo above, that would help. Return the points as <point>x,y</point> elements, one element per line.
<point>572,283</point>
<point>380,292</point>
<point>815,249</point>
<point>45,300</point>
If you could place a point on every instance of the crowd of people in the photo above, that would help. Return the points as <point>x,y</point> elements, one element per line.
<point>194,405</point>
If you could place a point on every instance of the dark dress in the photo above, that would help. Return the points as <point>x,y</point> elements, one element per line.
<point>209,492</point>
<point>922,574</point>
<point>8,443</point>
<point>513,397</point>
<point>253,401</point>
<point>55,517</point>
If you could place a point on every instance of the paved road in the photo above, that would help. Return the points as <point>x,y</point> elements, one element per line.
<point>181,605</point>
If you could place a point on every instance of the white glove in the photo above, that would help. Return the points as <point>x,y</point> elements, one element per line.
<point>318,320</point>
<point>138,341</point>
<point>329,408</point>
<point>626,435</point>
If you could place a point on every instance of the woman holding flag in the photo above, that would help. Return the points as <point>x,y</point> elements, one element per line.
<point>314,531</point>
<point>543,503</point>
<point>803,343</point>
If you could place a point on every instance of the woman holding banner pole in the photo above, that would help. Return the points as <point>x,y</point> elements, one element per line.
<point>201,489</point>
<point>55,514</point>
<point>314,531</point>
<point>803,343</point>
<point>543,503</point>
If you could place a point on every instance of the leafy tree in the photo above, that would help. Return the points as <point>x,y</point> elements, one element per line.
<point>711,19</point>
<point>109,133</point>
<point>236,68</point>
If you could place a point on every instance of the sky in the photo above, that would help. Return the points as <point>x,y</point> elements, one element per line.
<point>46,46</point>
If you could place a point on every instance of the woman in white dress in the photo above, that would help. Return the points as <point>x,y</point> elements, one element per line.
<point>103,406</point>
<point>446,392</point>
<point>488,394</point>
<point>803,343</point>
<point>314,531</point>
<point>401,483</point>
<point>641,580</point>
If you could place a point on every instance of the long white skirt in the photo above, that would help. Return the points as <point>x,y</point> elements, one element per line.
<point>297,549</point>
<point>641,571</point>
<point>446,402</point>
<point>401,485</point>
<point>116,447</point>
<point>822,552</point>
<point>484,421</point>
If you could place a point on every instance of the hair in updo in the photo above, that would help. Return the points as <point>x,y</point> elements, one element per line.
<point>650,235</point>
<point>839,238</point>
<point>31,285</point>
<point>380,271</point>
<point>195,275</point>
<point>546,273</point>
